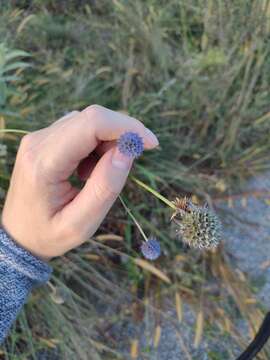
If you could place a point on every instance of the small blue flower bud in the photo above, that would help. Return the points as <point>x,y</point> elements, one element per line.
<point>151,249</point>
<point>130,144</point>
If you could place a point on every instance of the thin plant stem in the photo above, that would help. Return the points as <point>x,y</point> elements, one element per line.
<point>51,286</point>
<point>133,218</point>
<point>154,192</point>
<point>14,131</point>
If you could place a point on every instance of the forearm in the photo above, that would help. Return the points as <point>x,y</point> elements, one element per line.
<point>20,271</point>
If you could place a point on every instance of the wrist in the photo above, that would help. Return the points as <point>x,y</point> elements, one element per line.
<point>33,269</point>
<point>22,244</point>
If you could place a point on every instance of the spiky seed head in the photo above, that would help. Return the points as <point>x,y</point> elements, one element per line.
<point>199,227</point>
<point>151,249</point>
<point>130,144</point>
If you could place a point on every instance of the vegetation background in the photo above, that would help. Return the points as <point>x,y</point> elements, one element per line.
<point>197,73</point>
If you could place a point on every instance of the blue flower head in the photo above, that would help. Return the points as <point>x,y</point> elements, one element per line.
<point>130,144</point>
<point>151,249</point>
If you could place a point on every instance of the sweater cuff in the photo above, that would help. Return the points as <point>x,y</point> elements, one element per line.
<point>22,261</point>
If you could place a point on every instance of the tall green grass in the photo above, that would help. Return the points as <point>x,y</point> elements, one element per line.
<point>197,73</point>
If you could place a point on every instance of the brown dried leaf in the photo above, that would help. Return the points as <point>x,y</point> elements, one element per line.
<point>157,336</point>
<point>199,329</point>
<point>134,349</point>
<point>179,306</point>
<point>151,268</point>
<point>111,237</point>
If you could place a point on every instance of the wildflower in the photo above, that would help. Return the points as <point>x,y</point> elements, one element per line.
<point>130,144</point>
<point>197,226</point>
<point>151,249</point>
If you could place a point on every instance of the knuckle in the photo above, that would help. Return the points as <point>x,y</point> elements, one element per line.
<point>93,110</point>
<point>31,157</point>
<point>28,165</point>
<point>26,140</point>
<point>104,193</point>
<point>67,116</point>
<point>31,164</point>
<point>26,157</point>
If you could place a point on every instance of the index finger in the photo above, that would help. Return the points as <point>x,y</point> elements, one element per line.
<point>78,136</point>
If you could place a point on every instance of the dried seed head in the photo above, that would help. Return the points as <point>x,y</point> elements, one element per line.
<point>198,226</point>
<point>151,249</point>
<point>130,144</point>
<point>182,203</point>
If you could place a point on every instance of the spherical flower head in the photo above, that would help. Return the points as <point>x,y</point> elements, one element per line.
<point>130,144</point>
<point>199,227</point>
<point>151,249</point>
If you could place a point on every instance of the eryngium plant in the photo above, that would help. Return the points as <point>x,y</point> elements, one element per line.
<point>197,226</point>
<point>151,249</point>
<point>130,144</point>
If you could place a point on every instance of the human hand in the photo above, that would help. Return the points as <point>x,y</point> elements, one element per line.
<point>43,212</point>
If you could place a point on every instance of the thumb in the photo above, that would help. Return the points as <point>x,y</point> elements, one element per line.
<point>91,205</point>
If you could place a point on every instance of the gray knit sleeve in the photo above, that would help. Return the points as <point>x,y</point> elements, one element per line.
<point>20,271</point>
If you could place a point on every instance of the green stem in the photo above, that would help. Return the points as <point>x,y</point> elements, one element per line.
<point>154,192</point>
<point>133,218</point>
<point>13,131</point>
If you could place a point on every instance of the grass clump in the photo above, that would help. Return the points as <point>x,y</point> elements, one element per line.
<point>194,72</point>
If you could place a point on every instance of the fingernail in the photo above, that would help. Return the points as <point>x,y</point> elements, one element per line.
<point>151,137</point>
<point>121,161</point>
